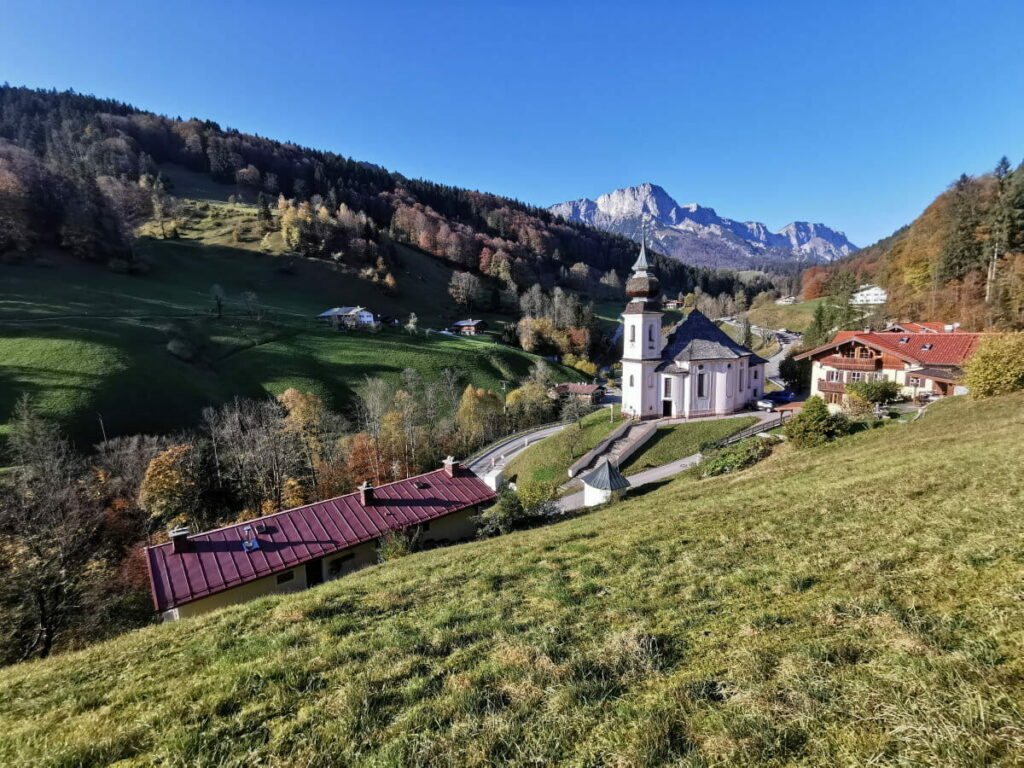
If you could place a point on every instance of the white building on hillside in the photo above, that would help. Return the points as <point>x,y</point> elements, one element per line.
<point>348,316</point>
<point>869,294</point>
<point>700,371</point>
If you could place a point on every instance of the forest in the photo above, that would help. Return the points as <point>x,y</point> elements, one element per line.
<point>961,260</point>
<point>82,173</point>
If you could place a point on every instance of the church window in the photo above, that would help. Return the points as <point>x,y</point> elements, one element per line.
<point>701,388</point>
<point>632,334</point>
<point>755,373</point>
<point>741,378</point>
<point>650,333</point>
<point>668,387</point>
<point>631,379</point>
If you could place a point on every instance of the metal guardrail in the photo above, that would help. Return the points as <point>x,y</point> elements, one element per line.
<point>753,429</point>
<point>509,438</point>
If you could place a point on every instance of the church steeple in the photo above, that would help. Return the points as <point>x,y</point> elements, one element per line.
<point>642,286</point>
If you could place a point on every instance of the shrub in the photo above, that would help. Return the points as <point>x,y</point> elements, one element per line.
<point>876,392</point>
<point>506,515</point>
<point>395,544</point>
<point>997,366</point>
<point>740,455</point>
<point>814,425</point>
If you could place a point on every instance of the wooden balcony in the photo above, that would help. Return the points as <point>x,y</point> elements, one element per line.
<point>852,363</point>
<point>831,386</point>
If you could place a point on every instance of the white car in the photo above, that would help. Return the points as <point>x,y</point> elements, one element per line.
<point>764,405</point>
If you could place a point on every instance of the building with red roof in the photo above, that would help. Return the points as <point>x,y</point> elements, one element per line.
<point>302,547</point>
<point>926,363</point>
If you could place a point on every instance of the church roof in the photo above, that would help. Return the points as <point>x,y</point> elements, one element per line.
<point>697,338</point>
<point>641,261</point>
<point>605,477</point>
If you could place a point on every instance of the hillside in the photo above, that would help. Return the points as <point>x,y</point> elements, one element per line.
<point>696,234</point>
<point>849,605</point>
<point>79,173</point>
<point>961,260</point>
<point>88,343</point>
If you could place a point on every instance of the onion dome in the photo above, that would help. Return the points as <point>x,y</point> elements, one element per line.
<point>642,284</point>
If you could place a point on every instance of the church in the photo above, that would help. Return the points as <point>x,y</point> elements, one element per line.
<point>697,371</point>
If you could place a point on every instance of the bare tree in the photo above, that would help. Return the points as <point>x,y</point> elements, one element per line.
<point>49,535</point>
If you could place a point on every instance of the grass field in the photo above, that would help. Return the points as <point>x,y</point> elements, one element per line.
<point>680,440</point>
<point>795,317</point>
<point>855,604</point>
<point>735,333</point>
<point>88,344</point>
<point>548,461</point>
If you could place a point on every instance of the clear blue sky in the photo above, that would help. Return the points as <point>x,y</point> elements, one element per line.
<point>853,114</point>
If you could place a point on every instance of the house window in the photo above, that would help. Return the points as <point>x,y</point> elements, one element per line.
<point>833,375</point>
<point>337,566</point>
<point>855,375</point>
<point>863,352</point>
<point>284,578</point>
<point>914,381</point>
<point>701,389</point>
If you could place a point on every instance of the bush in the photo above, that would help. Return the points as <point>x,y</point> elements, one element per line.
<point>396,544</point>
<point>997,366</point>
<point>876,392</point>
<point>814,425</point>
<point>505,516</point>
<point>740,455</point>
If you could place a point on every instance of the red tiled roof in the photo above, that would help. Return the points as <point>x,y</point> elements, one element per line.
<point>216,560</point>
<point>578,389</point>
<point>942,348</point>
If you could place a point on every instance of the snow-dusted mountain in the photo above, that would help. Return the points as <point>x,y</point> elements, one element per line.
<point>697,235</point>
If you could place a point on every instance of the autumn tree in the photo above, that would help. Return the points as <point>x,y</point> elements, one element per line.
<point>479,416</point>
<point>997,366</point>
<point>170,490</point>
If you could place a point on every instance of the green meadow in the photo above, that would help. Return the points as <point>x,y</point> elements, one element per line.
<point>91,347</point>
<point>854,604</point>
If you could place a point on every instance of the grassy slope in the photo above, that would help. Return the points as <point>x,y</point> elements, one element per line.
<point>548,461</point>
<point>853,604</point>
<point>735,333</point>
<point>680,440</point>
<point>84,341</point>
<point>796,317</point>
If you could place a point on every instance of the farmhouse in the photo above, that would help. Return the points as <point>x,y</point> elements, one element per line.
<point>927,363</point>
<point>868,295</point>
<point>468,327</point>
<point>590,393</point>
<point>700,371</point>
<point>349,317</point>
<point>786,301</point>
<point>302,547</point>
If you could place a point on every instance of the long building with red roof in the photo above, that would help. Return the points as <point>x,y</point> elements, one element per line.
<point>302,547</point>
<point>924,363</point>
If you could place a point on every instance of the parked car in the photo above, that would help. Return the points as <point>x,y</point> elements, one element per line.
<point>764,405</point>
<point>785,396</point>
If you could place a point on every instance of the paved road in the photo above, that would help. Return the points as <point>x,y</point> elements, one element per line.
<point>785,341</point>
<point>574,501</point>
<point>502,453</point>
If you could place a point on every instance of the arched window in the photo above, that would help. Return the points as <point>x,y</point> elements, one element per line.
<point>631,379</point>
<point>650,333</point>
<point>632,336</point>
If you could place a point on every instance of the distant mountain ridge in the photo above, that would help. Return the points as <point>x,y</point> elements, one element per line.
<point>697,235</point>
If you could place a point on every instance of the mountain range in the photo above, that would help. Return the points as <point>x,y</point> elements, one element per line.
<point>697,235</point>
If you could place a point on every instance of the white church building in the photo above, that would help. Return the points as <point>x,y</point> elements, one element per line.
<point>697,371</point>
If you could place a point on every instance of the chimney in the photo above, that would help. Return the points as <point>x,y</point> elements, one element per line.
<point>450,465</point>
<point>366,493</point>
<point>179,539</point>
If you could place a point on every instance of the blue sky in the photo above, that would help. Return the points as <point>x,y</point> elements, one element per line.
<point>852,114</point>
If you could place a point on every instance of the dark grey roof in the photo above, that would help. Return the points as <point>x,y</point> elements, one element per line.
<point>605,477</point>
<point>951,373</point>
<point>697,338</point>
